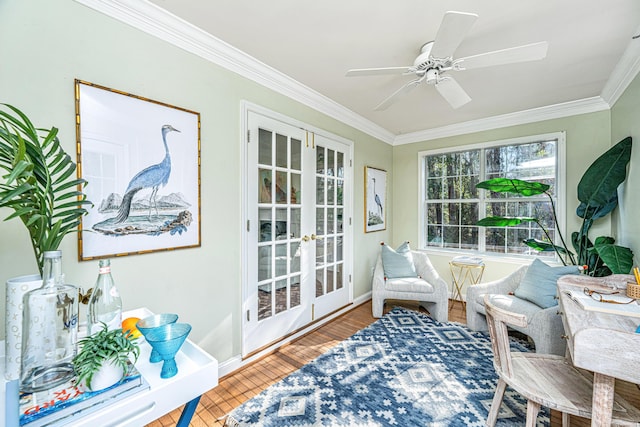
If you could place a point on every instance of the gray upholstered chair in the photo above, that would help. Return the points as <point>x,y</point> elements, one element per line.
<point>544,325</point>
<point>429,289</point>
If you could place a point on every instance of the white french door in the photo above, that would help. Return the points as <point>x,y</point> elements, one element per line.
<point>297,241</point>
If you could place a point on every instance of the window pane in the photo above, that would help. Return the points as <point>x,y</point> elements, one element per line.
<point>296,156</point>
<point>453,203</point>
<point>264,144</point>
<point>281,151</point>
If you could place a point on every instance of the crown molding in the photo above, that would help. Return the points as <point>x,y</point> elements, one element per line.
<point>149,18</point>
<point>624,72</point>
<point>565,109</point>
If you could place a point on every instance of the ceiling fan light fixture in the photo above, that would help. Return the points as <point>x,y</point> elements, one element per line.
<point>432,76</point>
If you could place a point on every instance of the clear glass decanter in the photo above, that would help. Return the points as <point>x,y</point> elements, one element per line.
<point>50,329</point>
<point>105,304</point>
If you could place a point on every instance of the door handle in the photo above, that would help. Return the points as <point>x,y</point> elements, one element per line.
<point>306,238</point>
<point>314,237</point>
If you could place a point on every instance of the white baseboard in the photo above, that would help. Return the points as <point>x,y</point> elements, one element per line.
<point>236,362</point>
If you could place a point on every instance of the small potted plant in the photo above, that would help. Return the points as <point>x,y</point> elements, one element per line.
<point>105,358</point>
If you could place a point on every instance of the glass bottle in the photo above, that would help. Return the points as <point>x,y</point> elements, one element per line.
<point>50,329</point>
<point>105,304</point>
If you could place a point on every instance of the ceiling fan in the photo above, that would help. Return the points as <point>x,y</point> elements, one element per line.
<point>436,60</point>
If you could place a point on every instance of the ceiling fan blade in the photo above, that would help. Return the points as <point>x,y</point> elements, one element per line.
<point>376,71</point>
<point>397,94</point>
<point>529,52</point>
<point>453,29</point>
<point>452,92</point>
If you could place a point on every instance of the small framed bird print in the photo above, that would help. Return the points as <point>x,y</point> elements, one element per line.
<point>141,159</point>
<point>375,199</point>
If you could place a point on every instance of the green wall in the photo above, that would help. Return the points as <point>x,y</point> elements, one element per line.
<point>46,45</point>
<point>587,136</point>
<point>625,121</point>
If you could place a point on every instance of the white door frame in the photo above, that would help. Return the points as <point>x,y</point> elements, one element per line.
<point>247,107</point>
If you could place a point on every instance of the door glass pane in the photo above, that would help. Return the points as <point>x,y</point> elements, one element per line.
<point>339,276</point>
<point>339,248</point>
<point>330,248</point>
<point>264,184</point>
<point>296,156</point>
<point>264,147</point>
<point>264,301</point>
<point>331,191</point>
<point>330,162</point>
<point>319,160</point>
<point>296,178</point>
<point>319,191</point>
<point>281,259</point>
<point>339,190</point>
<point>340,165</point>
<point>319,252</point>
<point>295,291</point>
<point>331,220</point>
<point>281,296</point>
<point>294,263</point>
<point>264,216</point>
<point>320,221</point>
<point>330,274</point>
<point>280,231</point>
<point>281,187</point>
<point>264,263</point>
<point>294,225</point>
<point>281,151</point>
<point>319,282</point>
<point>339,220</point>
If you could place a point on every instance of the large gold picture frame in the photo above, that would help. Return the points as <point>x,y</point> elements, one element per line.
<point>141,159</point>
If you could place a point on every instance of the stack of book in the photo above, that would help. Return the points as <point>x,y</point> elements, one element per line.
<point>60,405</point>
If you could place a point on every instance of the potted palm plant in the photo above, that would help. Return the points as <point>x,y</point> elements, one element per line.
<point>38,182</point>
<point>104,358</point>
<point>39,187</point>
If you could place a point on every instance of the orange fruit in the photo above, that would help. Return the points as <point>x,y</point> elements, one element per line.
<point>129,327</point>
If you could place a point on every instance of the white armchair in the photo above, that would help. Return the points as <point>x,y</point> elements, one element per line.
<point>544,325</point>
<point>429,289</point>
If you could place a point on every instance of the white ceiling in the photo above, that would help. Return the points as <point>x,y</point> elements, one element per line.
<point>315,43</point>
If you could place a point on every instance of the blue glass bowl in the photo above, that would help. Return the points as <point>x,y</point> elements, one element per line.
<point>167,340</point>
<point>149,323</point>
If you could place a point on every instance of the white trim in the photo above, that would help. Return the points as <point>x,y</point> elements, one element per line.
<point>566,109</point>
<point>623,74</point>
<point>236,362</point>
<point>158,22</point>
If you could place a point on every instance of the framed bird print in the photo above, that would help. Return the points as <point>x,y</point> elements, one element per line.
<point>375,199</point>
<point>141,159</point>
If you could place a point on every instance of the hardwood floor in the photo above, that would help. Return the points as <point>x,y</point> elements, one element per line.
<point>240,386</point>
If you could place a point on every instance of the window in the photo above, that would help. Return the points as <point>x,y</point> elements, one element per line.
<point>452,205</point>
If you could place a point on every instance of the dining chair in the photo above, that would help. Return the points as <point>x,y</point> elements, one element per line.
<point>543,379</point>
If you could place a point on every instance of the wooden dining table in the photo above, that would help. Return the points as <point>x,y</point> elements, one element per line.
<point>602,342</point>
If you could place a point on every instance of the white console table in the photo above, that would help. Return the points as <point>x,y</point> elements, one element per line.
<point>197,374</point>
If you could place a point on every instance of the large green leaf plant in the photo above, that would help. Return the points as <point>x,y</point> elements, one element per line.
<point>598,196</point>
<point>37,182</point>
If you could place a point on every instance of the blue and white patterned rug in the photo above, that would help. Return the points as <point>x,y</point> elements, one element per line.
<point>406,369</point>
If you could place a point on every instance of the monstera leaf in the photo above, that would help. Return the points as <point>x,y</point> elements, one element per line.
<point>503,221</point>
<point>600,182</point>
<point>517,186</point>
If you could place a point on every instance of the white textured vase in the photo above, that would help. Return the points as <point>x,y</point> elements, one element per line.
<point>108,374</point>
<point>15,290</point>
